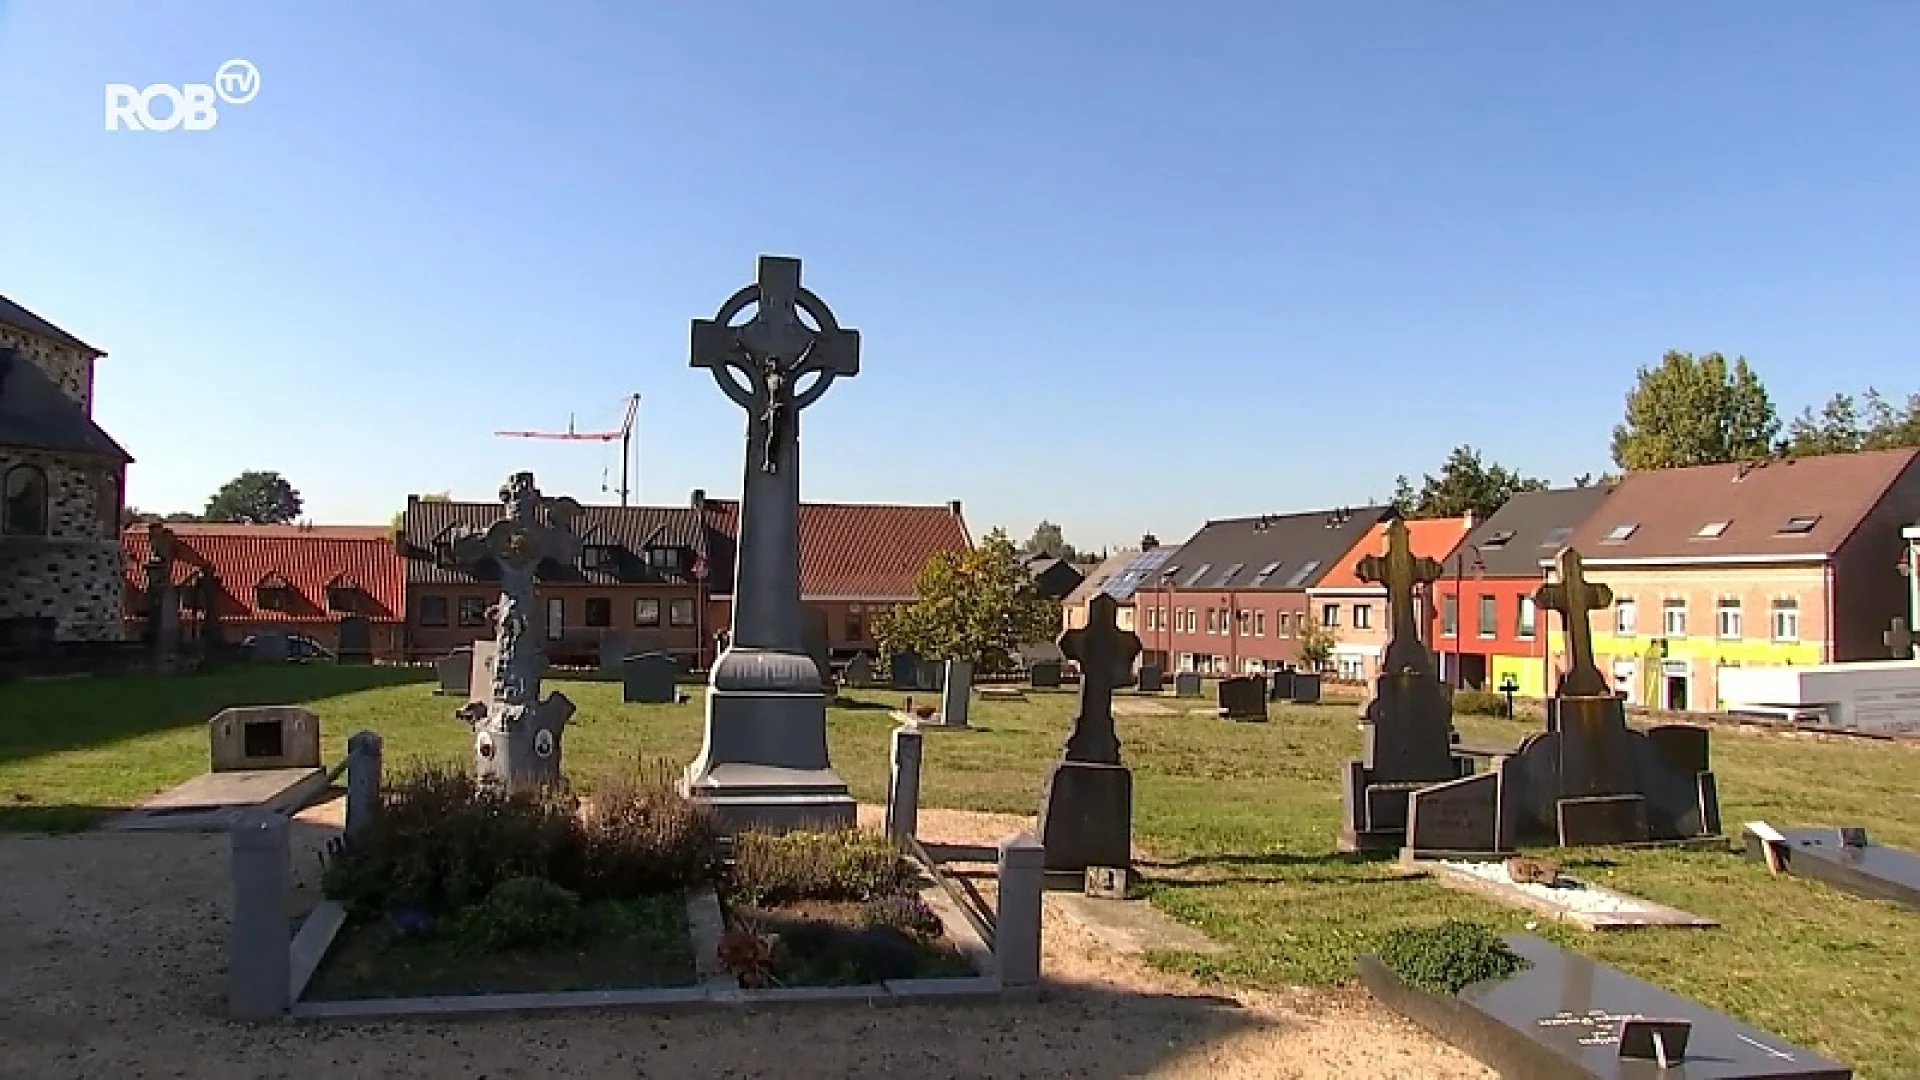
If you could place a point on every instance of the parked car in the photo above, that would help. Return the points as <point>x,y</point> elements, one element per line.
<point>300,648</point>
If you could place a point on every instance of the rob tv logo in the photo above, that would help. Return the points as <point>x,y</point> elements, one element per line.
<point>195,106</point>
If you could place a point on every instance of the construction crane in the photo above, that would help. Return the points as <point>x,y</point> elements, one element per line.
<point>623,435</point>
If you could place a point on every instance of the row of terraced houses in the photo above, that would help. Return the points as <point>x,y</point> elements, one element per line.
<point>1793,561</point>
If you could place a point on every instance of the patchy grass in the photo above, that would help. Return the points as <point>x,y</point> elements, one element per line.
<point>1242,819</point>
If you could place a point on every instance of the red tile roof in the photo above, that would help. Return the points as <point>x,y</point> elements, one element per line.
<point>1432,538</point>
<point>309,558</point>
<point>857,551</point>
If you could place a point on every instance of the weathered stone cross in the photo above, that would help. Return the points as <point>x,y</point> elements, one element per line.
<point>1574,597</point>
<point>1400,571</point>
<point>1899,640</point>
<point>773,351</point>
<point>518,543</point>
<point>1102,650</point>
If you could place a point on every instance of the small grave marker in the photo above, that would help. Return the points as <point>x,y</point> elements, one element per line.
<point>1106,883</point>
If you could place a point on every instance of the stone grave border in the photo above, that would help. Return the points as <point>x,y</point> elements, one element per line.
<point>268,976</point>
<point>1828,871</point>
<point>1654,915</point>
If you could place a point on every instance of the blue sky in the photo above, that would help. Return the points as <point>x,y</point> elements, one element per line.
<point>1123,265</point>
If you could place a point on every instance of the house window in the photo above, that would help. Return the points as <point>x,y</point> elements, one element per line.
<point>1363,616</point>
<point>856,629</point>
<point>344,599</point>
<point>433,611</point>
<point>1673,617</point>
<point>273,593</point>
<point>1489,616</point>
<point>1193,621</point>
<point>1619,534</point>
<point>1626,618</point>
<point>473,611</point>
<point>1330,615</point>
<point>1259,624</point>
<point>1244,622</point>
<point>25,510</point>
<point>1712,530</point>
<point>680,612</point>
<point>556,618</point>
<point>1799,526</point>
<point>646,611</point>
<point>599,611</point>
<point>1786,619</point>
<point>1285,628</point>
<point>1726,617</point>
<point>598,557</point>
<point>1449,615</point>
<point>663,558</point>
<point>1524,617</point>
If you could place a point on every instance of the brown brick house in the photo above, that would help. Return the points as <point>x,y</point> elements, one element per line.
<point>294,579</point>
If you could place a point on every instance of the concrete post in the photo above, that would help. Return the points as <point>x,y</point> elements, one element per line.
<point>363,781</point>
<point>259,937</point>
<point>1016,934</point>
<point>903,785</point>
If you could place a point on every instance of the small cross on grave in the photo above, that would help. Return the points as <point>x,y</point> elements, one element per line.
<point>1574,597</point>
<point>1899,640</point>
<point>1401,572</point>
<point>773,351</point>
<point>1102,650</point>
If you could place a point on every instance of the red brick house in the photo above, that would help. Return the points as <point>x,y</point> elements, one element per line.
<point>293,579</point>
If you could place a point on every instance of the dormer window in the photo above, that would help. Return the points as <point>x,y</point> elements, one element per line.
<point>1712,530</point>
<point>1301,575</point>
<point>1228,575</point>
<point>1193,579</point>
<point>1619,534</point>
<point>1266,572</point>
<point>273,593</point>
<point>1498,540</point>
<point>598,557</point>
<point>1799,526</point>
<point>344,595</point>
<point>664,559</point>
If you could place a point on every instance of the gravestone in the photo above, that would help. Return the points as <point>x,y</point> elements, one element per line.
<point>614,650</point>
<point>1306,687</point>
<point>763,755</point>
<point>1186,684</point>
<point>648,679</point>
<point>163,600</point>
<point>260,757</point>
<point>1899,640</point>
<point>955,694</point>
<point>1845,859</point>
<point>264,737</point>
<point>1280,684</point>
<point>904,671</point>
<point>516,734</point>
<point>860,670</point>
<point>1589,779</point>
<point>455,671</point>
<point>1086,809</point>
<point>356,641</point>
<point>814,630</point>
<point>1044,675</point>
<point>1407,726</point>
<point>1565,1015</point>
<point>269,647</point>
<point>1243,697</point>
<point>930,676</point>
<point>1151,679</point>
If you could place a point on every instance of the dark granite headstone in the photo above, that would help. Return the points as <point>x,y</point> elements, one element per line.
<point>904,671</point>
<point>1044,675</point>
<point>931,676</point>
<point>648,679</point>
<point>1280,685</point>
<point>1455,816</point>
<point>1086,809</point>
<point>1864,869</point>
<point>455,671</point>
<point>614,651</point>
<point>1306,687</point>
<point>1186,684</point>
<point>1568,1016</point>
<point>356,641</point>
<point>1243,697</point>
<point>1597,820</point>
<point>860,670</point>
<point>1150,679</point>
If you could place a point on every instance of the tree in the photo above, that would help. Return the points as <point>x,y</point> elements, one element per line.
<point>978,605</point>
<point>255,498</point>
<point>1689,411</point>
<point>1316,643</point>
<point>1846,424</point>
<point>1465,484</point>
<point>1047,539</point>
<point>133,515</point>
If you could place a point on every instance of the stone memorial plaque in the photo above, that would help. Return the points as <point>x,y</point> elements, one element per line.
<point>1599,820</point>
<point>1870,870</point>
<point>1663,1042</point>
<point>1458,815</point>
<point>1044,675</point>
<point>1280,685</point>
<point>265,737</point>
<point>455,671</point>
<point>904,671</point>
<point>1243,697</point>
<point>1106,883</point>
<point>957,693</point>
<point>1150,680</point>
<point>1306,687</point>
<point>1186,684</point>
<point>648,679</point>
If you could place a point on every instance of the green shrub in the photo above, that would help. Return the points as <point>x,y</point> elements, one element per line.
<point>1479,703</point>
<point>905,912</point>
<point>639,835</point>
<point>522,912</point>
<point>846,865</point>
<point>1446,958</point>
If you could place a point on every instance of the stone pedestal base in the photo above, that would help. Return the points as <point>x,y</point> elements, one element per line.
<point>773,799</point>
<point>764,760</point>
<point>1086,816</point>
<point>520,749</point>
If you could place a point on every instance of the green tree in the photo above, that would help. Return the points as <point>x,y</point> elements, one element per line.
<point>133,515</point>
<point>1695,411</point>
<point>1047,539</point>
<point>255,498</point>
<point>1466,483</point>
<point>1846,424</point>
<point>399,519</point>
<point>1316,643</point>
<point>978,605</point>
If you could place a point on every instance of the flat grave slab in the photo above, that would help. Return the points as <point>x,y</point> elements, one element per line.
<point>210,802</point>
<point>1565,1016</point>
<point>1861,867</point>
<point>1570,899</point>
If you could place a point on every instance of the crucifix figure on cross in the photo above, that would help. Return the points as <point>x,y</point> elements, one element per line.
<point>517,544</point>
<point>1102,650</point>
<point>1401,572</point>
<point>1574,597</point>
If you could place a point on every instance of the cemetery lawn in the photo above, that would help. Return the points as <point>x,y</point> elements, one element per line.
<point>628,946</point>
<point>1234,824</point>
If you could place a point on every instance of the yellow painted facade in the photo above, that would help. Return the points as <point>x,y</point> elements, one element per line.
<point>1528,672</point>
<point>1685,674</point>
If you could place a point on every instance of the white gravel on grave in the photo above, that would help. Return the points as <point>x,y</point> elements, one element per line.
<point>1571,894</point>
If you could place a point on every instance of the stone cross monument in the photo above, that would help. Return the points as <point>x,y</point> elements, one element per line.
<point>163,599</point>
<point>1086,811</point>
<point>763,760</point>
<point>1574,598</point>
<point>1899,639</point>
<point>516,736</point>
<point>1401,573</point>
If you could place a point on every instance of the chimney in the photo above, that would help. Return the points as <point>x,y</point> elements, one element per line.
<point>699,499</point>
<point>1472,518</point>
<point>1149,542</point>
<point>953,507</point>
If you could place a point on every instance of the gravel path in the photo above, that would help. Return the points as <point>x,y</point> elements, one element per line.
<point>112,967</point>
